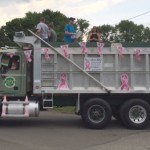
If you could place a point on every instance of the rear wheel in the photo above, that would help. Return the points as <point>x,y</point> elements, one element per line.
<point>96,113</point>
<point>135,114</point>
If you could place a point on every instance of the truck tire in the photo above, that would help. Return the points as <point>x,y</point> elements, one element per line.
<point>96,113</point>
<point>135,114</point>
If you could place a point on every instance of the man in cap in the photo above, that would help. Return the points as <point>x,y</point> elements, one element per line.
<point>69,36</point>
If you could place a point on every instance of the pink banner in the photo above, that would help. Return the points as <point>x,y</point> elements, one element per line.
<point>63,83</point>
<point>137,54</point>
<point>65,50</point>
<point>124,82</point>
<point>83,47</point>
<point>28,55</point>
<point>100,48</point>
<point>46,54</point>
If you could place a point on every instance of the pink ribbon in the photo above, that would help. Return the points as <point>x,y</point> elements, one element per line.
<point>46,55</point>
<point>120,50</point>
<point>100,46</point>
<point>124,81</point>
<point>87,66</point>
<point>11,54</point>
<point>83,47</point>
<point>65,50</point>
<point>138,54</point>
<point>63,85</point>
<point>28,55</point>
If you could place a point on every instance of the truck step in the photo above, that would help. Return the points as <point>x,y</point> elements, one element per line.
<point>47,103</point>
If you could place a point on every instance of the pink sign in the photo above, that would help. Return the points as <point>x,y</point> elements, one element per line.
<point>83,47</point>
<point>63,83</point>
<point>65,50</point>
<point>46,55</point>
<point>138,54</point>
<point>28,55</point>
<point>100,47</point>
<point>124,82</point>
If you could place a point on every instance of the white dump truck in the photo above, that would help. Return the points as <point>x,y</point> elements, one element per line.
<point>100,81</point>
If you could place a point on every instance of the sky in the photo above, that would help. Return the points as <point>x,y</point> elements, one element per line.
<point>97,12</point>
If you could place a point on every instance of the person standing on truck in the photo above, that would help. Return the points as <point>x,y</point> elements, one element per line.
<point>69,29</point>
<point>43,30</point>
<point>94,35</point>
<point>53,35</point>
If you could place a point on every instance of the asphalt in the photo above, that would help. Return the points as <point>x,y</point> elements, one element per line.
<point>59,131</point>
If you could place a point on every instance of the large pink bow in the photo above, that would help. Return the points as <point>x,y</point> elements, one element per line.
<point>28,55</point>
<point>124,82</point>
<point>65,50</point>
<point>83,47</point>
<point>138,54</point>
<point>63,85</point>
<point>120,50</point>
<point>100,47</point>
<point>46,55</point>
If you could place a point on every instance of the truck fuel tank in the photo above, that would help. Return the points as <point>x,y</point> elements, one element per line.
<point>20,109</point>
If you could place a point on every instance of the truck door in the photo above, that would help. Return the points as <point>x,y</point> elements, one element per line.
<point>12,75</point>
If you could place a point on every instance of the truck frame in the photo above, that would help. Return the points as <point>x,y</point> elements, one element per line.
<point>100,81</point>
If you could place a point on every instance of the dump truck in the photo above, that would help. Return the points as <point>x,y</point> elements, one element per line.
<point>100,81</point>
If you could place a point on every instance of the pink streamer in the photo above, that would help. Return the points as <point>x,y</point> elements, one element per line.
<point>124,80</point>
<point>100,47</point>
<point>46,55</point>
<point>87,66</point>
<point>120,50</point>
<point>138,54</point>
<point>63,85</point>
<point>83,47</point>
<point>65,50</point>
<point>28,55</point>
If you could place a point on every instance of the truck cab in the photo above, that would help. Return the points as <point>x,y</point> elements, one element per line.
<point>14,73</point>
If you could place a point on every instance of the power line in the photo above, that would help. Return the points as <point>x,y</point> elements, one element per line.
<point>139,15</point>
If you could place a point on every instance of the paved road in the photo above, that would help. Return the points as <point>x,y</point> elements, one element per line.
<point>55,131</point>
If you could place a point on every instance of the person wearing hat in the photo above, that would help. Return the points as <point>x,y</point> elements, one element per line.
<point>69,29</point>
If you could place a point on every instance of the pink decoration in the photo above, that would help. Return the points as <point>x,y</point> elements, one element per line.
<point>87,65</point>
<point>124,80</point>
<point>65,50</point>
<point>83,47</point>
<point>28,55</point>
<point>11,54</point>
<point>4,106</point>
<point>26,111</point>
<point>100,46</point>
<point>120,50</point>
<point>138,54</point>
<point>63,85</point>
<point>46,55</point>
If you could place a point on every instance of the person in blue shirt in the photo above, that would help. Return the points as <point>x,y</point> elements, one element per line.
<point>69,29</point>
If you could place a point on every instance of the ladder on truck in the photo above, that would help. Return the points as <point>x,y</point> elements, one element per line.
<point>73,63</point>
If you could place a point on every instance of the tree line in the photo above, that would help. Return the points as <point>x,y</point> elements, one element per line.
<point>125,31</point>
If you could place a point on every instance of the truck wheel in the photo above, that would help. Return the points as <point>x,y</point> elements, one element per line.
<point>96,113</point>
<point>135,114</point>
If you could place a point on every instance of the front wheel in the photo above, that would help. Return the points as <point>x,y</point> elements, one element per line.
<point>135,114</point>
<point>96,113</point>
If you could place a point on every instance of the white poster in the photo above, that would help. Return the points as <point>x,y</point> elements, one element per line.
<point>93,63</point>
